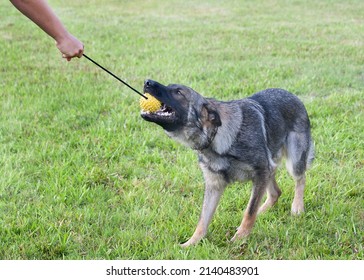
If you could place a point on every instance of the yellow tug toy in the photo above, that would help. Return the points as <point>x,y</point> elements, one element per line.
<point>151,104</point>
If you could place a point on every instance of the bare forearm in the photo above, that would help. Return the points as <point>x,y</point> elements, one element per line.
<point>41,14</point>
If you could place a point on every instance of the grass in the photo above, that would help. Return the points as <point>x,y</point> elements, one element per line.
<point>84,177</point>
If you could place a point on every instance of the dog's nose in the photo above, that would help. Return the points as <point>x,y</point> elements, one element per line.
<point>150,83</point>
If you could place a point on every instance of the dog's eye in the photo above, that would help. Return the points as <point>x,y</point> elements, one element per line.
<point>179,92</point>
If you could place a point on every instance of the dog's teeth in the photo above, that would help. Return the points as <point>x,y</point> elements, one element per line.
<point>165,114</point>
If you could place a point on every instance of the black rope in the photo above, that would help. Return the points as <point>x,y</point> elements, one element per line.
<point>116,77</point>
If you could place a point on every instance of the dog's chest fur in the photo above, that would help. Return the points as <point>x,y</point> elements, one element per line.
<point>229,168</point>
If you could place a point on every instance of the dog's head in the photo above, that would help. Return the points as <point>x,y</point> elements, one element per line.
<point>185,115</point>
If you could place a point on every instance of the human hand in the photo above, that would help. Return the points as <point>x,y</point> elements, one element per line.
<point>70,47</point>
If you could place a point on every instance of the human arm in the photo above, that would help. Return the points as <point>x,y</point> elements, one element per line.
<point>41,14</point>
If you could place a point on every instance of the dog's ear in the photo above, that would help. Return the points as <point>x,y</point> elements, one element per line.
<point>210,114</point>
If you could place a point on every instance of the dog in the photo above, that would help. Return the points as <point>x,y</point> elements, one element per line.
<point>238,140</point>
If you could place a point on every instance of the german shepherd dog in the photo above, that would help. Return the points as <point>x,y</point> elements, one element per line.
<point>238,140</point>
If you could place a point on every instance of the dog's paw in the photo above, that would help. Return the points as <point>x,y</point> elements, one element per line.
<point>189,243</point>
<point>240,234</point>
<point>297,208</point>
<point>185,245</point>
<point>297,211</point>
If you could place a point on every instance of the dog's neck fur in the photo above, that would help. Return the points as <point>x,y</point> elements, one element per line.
<point>226,133</point>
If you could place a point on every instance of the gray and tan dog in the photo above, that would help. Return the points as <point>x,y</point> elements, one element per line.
<point>238,141</point>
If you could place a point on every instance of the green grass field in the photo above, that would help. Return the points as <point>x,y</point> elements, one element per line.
<point>84,177</point>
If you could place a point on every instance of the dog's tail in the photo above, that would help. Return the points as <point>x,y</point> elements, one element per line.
<point>300,153</point>
<point>311,154</point>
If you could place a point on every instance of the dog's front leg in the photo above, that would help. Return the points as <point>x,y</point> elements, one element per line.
<point>214,187</point>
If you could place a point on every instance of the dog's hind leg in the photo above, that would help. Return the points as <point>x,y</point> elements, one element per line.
<point>298,204</point>
<point>214,187</point>
<point>299,157</point>
<point>273,193</point>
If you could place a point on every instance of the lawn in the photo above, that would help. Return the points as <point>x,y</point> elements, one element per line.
<point>84,177</point>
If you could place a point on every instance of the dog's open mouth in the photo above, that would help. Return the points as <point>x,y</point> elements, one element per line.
<point>165,114</point>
